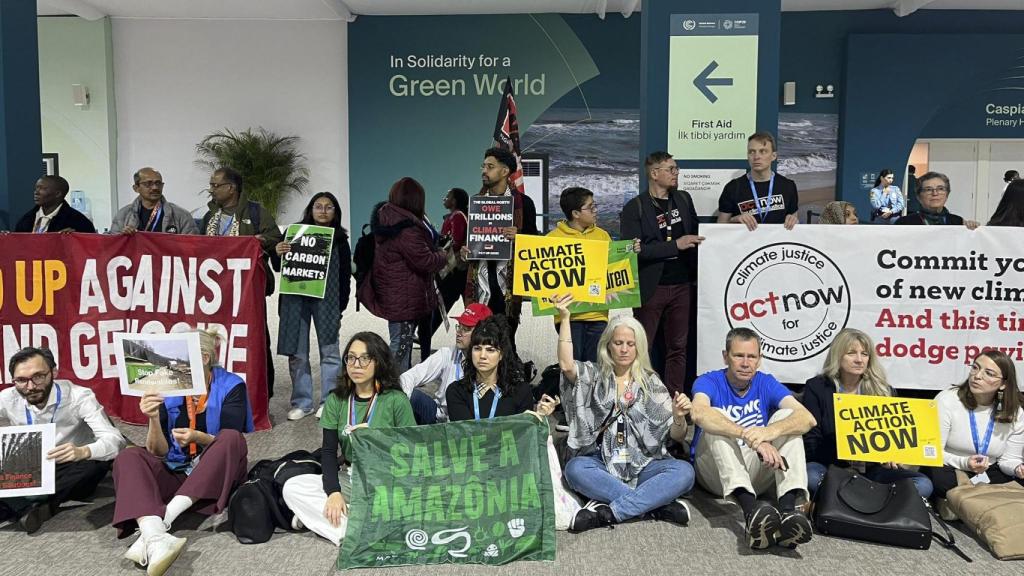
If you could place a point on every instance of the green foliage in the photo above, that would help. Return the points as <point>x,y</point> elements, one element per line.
<point>271,166</point>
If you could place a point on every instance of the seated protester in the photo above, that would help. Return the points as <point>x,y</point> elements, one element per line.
<point>851,367</point>
<point>982,426</point>
<point>445,366</point>
<point>620,415</point>
<point>493,384</point>
<point>195,455</point>
<point>368,395</point>
<point>933,191</point>
<point>85,441</point>
<point>748,441</point>
<point>52,213</point>
<point>150,211</point>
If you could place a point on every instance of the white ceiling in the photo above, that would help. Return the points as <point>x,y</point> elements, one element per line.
<point>348,9</point>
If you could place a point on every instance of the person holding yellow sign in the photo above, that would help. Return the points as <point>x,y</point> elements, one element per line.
<point>851,367</point>
<point>982,426</point>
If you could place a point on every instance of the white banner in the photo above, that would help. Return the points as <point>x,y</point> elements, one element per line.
<point>932,298</point>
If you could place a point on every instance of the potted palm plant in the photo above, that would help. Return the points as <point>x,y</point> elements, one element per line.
<point>271,165</point>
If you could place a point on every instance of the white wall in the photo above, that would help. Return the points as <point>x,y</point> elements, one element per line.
<point>178,80</point>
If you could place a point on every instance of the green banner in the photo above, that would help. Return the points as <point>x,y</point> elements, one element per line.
<point>473,492</point>
<point>304,268</point>
<point>621,291</point>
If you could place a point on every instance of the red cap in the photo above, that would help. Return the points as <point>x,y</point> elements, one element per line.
<point>473,314</point>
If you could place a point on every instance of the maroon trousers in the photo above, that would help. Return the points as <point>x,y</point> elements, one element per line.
<point>669,307</point>
<point>143,485</point>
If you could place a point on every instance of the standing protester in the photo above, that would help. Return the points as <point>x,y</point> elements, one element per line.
<point>401,286</point>
<point>838,212</point>
<point>150,211</point>
<point>452,281</point>
<point>85,440</point>
<point>490,281</point>
<point>933,192</point>
<point>52,213</point>
<point>231,213</point>
<point>760,196</point>
<point>913,204</point>
<point>1010,210</point>
<point>665,222</point>
<point>886,198</point>
<point>298,312</point>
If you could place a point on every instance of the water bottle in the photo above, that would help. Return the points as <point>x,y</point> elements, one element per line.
<point>79,201</point>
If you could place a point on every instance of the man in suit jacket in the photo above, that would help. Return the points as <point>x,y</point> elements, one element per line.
<point>52,213</point>
<point>665,221</point>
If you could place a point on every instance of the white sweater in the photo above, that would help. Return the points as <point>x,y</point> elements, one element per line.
<point>1006,447</point>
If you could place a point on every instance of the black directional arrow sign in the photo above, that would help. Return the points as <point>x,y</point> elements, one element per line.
<point>703,80</point>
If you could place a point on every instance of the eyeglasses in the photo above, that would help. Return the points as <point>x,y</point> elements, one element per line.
<point>323,207</point>
<point>151,184</point>
<point>672,170</point>
<point>363,361</point>
<point>935,190</point>
<point>463,329</point>
<point>39,379</point>
<point>987,374</point>
<point>592,208</point>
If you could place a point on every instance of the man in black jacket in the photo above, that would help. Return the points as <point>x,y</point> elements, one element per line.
<point>52,213</point>
<point>665,221</point>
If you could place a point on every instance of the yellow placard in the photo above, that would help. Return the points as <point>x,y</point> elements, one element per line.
<point>887,429</point>
<point>546,265</point>
<point>620,276</point>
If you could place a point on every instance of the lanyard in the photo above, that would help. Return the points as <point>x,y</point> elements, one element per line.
<point>757,200</point>
<point>225,227</point>
<point>56,406</point>
<point>494,404</point>
<point>352,410</point>
<point>44,223</point>
<point>458,365</point>
<point>982,448</point>
<point>194,406</point>
<point>154,218</point>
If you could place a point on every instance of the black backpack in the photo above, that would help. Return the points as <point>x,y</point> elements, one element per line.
<point>257,508</point>
<point>362,258</point>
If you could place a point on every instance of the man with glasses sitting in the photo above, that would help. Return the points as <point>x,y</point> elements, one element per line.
<point>932,193</point>
<point>86,442</point>
<point>150,211</point>
<point>444,366</point>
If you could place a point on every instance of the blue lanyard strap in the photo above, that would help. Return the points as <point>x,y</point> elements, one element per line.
<point>226,226</point>
<point>757,200</point>
<point>982,448</point>
<point>494,403</point>
<point>56,406</point>
<point>458,365</point>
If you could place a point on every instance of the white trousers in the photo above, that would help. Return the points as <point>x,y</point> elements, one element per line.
<point>725,464</point>
<point>304,495</point>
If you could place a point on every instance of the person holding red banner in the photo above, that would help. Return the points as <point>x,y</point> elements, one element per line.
<point>195,454</point>
<point>52,213</point>
<point>150,211</point>
<point>297,312</point>
<point>369,395</point>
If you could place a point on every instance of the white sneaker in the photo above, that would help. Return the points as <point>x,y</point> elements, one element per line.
<point>296,523</point>
<point>319,411</point>
<point>162,551</point>
<point>296,414</point>
<point>137,551</point>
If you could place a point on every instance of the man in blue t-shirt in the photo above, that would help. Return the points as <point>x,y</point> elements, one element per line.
<point>748,439</point>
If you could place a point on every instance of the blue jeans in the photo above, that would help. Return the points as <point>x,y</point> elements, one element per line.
<point>424,408</point>
<point>659,483</point>
<point>302,378</point>
<point>876,472</point>
<point>402,335</point>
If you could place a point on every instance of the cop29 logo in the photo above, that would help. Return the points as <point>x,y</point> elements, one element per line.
<point>793,296</point>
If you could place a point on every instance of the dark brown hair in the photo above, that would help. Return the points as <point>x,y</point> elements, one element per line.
<point>407,193</point>
<point>1011,394</point>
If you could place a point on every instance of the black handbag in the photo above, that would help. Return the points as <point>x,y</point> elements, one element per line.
<point>848,505</point>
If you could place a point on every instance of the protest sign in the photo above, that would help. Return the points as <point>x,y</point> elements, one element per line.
<point>622,288</point>
<point>168,364</point>
<point>488,217</point>
<point>72,292</point>
<point>547,265</point>
<point>887,429</point>
<point>304,267</point>
<point>472,492</point>
<point>24,468</point>
<point>932,298</point>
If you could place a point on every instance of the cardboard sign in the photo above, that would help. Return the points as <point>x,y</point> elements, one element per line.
<point>546,265</point>
<point>488,217</point>
<point>887,429</point>
<point>622,288</point>
<point>24,468</point>
<point>304,267</point>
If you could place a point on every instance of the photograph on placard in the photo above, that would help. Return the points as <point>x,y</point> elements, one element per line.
<point>24,468</point>
<point>168,364</point>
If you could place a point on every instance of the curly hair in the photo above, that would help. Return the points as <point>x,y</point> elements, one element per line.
<point>385,373</point>
<point>494,331</point>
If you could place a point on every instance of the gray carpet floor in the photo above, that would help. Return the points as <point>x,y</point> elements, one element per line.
<point>80,542</point>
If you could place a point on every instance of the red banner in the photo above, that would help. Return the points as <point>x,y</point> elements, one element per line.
<point>72,292</point>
